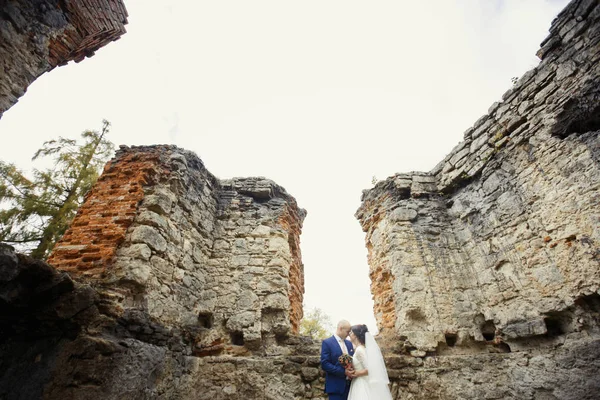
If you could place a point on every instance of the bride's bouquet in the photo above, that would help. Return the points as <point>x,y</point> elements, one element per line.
<point>345,360</point>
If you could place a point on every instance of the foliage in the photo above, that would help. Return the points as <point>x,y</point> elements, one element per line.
<point>315,324</point>
<point>36,212</point>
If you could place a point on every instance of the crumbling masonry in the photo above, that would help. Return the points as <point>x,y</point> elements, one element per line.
<point>161,232</point>
<point>38,35</point>
<point>498,248</point>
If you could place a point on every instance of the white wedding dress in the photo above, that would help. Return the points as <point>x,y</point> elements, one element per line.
<point>373,386</point>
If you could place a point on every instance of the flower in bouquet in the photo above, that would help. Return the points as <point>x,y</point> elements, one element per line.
<point>345,360</point>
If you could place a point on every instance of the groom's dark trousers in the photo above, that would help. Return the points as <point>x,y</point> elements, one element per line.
<point>336,384</point>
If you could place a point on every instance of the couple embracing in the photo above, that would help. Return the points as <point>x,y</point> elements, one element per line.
<point>365,378</point>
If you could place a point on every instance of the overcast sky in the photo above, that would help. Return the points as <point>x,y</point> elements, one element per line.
<point>319,96</point>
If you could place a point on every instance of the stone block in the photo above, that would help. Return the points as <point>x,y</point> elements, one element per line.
<point>152,219</point>
<point>261,231</point>
<point>137,250</point>
<point>150,236</point>
<point>403,214</point>
<point>276,301</point>
<point>160,203</point>
<point>524,328</point>
<point>238,322</point>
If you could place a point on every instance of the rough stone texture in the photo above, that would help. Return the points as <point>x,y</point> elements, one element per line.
<point>169,284</point>
<point>61,339</point>
<point>168,237</point>
<point>497,249</point>
<point>38,35</point>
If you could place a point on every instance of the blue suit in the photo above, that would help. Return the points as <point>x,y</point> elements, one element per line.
<point>336,384</point>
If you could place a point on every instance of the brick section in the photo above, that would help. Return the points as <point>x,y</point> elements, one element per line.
<point>292,223</point>
<point>95,24</point>
<point>383,295</point>
<point>39,35</point>
<point>381,276</point>
<point>90,243</point>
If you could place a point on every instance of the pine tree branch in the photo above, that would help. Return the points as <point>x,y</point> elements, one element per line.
<point>14,185</point>
<point>54,226</point>
<point>25,197</point>
<point>22,240</point>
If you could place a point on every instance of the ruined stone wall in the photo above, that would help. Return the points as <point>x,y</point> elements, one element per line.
<point>169,238</point>
<point>170,283</point>
<point>67,339</point>
<point>498,248</point>
<point>38,35</point>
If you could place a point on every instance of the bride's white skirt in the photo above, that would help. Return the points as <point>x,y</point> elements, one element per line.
<point>360,389</point>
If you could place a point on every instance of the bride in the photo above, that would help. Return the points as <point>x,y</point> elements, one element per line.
<point>370,379</point>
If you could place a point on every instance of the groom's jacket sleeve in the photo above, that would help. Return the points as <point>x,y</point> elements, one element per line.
<point>326,363</point>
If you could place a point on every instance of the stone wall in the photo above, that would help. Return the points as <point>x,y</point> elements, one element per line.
<point>191,250</point>
<point>170,283</point>
<point>64,339</point>
<point>38,35</point>
<point>497,250</point>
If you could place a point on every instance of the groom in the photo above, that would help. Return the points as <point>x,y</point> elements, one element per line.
<point>336,384</point>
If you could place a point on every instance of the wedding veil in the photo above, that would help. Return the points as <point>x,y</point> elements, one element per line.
<point>378,377</point>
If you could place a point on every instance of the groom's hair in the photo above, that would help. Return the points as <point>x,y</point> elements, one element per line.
<point>343,323</point>
<point>360,331</point>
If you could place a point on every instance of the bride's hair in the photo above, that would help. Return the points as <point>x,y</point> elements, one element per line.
<point>360,331</point>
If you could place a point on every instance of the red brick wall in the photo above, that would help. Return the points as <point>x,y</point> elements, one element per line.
<point>95,23</point>
<point>291,222</point>
<point>89,245</point>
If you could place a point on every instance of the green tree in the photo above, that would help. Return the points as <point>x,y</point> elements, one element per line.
<point>36,212</point>
<point>315,324</point>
